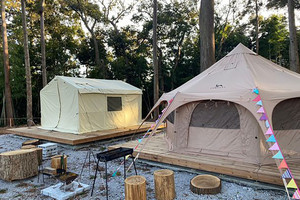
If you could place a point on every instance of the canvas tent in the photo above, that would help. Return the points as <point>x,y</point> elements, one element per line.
<point>80,105</point>
<point>214,114</point>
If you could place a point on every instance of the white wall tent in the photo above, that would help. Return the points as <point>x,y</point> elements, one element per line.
<point>80,105</point>
<point>214,114</point>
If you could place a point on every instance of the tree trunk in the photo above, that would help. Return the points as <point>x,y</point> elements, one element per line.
<point>8,98</point>
<point>294,55</point>
<point>256,26</point>
<point>43,45</point>
<point>155,63</point>
<point>135,188</point>
<point>19,164</point>
<point>207,36</point>
<point>27,67</point>
<point>164,184</point>
<point>205,184</point>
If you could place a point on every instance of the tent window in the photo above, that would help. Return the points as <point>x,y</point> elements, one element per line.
<point>216,114</point>
<point>286,115</point>
<point>114,103</point>
<point>170,117</point>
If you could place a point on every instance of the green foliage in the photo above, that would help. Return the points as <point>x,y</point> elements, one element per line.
<point>274,43</point>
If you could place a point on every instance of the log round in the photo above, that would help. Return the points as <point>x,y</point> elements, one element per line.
<point>31,142</point>
<point>205,184</point>
<point>39,152</point>
<point>135,188</point>
<point>19,164</point>
<point>58,163</point>
<point>164,184</point>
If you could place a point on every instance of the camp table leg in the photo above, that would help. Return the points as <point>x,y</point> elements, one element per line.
<point>106,180</point>
<point>133,164</point>
<point>95,178</point>
<point>124,168</point>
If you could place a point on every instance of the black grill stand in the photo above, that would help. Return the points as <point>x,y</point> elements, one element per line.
<point>112,155</point>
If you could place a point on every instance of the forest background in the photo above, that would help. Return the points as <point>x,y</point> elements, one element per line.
<point>113,39</point>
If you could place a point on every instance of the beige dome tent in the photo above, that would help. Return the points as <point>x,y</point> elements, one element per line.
<point>80,105</point>
<point>214,114</point>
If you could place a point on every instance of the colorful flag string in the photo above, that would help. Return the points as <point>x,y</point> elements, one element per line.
<point>276,150</point>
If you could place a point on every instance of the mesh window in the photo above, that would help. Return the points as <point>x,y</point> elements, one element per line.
<point>216,114</point>
<point>114,103</point>
<point>170,117</point>
<point>286,115</point>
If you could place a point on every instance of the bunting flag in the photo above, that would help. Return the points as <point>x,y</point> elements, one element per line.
<point>283,165</point>
<point>287,174</point>
<point>263,117</point>
<point>269,131</point>
<point>267,124</point>
<point>140,140</point>
<point>255,90</point>
<point>275,147</point>
<point>271,139</point>
<point>292,184</point>
<point>261,110</point>
<point>259,103</point>
<point>296,195</point>
<point>257,98</point>
<point>278,155</point>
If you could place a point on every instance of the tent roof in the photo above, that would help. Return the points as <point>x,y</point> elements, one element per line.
<point>87,85</point>
<point>238,73</point>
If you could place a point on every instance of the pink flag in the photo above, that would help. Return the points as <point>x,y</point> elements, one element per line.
<point>269,131</point>
<point>274,147</point>
<point>256,98</point>
<point>261,110</point>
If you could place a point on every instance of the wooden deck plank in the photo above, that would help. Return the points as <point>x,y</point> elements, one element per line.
<point>156,150</point>
<point>75,139</point>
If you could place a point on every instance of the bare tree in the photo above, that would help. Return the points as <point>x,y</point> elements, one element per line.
<point>27,67</point>
<point>43,45</point>
<point>155,63</point>
<point>294,55</point>
<point>8,98</point>
<point>207,36</point>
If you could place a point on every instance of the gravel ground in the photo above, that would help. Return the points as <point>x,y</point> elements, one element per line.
<point>30,188</point>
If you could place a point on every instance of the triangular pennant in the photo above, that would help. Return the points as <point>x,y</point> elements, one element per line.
<point>259,103</point>
<point>283,165</point>
<point>296,195</point>
<point>287,174</point>
<point>269,131</point>
<point>278,155</point>
<point>267,124</point>
<point>256,98</point>
<point>292,184</point>
<point>261,110</point>
<point>140,140</point>
<point>255,90</point>
<point>271,139</point>
<point>263,117</point>
<point>275,147</point>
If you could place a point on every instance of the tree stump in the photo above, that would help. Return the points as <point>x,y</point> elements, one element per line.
<point>135,188</point>
<point>19,164</point>
<point>39,152</point>
<point>31,142</point>
<point>164,184</point>
<point>205,184</point>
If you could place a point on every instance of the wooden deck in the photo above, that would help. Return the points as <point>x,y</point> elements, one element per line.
<point>75,139</point>
<point>156,150</point>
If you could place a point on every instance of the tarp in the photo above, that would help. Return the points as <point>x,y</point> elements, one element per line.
<point>80,105</point>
